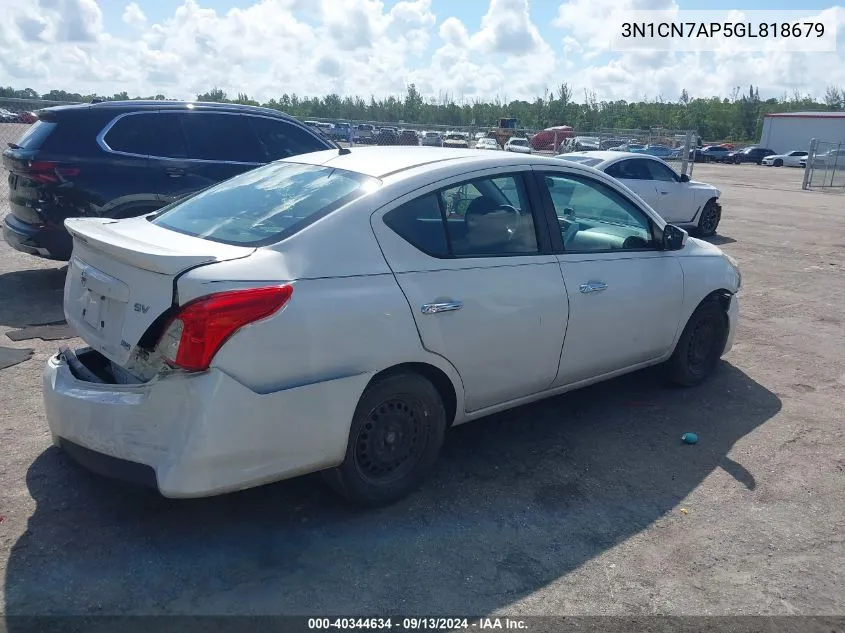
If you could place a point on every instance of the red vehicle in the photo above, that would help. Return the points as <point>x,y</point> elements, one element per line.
<point>27,117</point>
<point>551,137</point>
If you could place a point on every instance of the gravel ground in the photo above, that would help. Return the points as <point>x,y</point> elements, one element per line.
<point>583,504</point>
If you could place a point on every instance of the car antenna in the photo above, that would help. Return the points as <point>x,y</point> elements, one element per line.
<point>343,151</point>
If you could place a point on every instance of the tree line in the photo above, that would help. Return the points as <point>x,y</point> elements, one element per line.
<point>735,118</point>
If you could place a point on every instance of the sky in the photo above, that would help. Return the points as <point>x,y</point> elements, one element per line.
<point>462,49</point>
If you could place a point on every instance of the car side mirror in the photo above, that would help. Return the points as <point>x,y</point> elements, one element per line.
<point>684,178</point>
<point>673,238</point>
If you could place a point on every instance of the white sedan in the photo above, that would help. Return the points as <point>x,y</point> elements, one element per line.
<point>338,311</point>
<point>486,143</point>
<point>790,159</point>
<point>519,145</point>
<point>687,203</point>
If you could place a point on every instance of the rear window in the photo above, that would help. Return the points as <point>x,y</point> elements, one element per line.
<point>584,160</point>
<point>35,136</point>
<point>130,133</point>
<point>265,205</point>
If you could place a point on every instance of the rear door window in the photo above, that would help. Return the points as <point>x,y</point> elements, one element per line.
<point>166,137</point>
<point>265,205</point>
<point>281,139</point>
<point>631,169</point>
<point>420,223</point>
<point>130,133</point>
<point>221,137</point>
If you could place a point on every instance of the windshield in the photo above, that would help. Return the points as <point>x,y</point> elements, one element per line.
<point>589,161</point>
<point>265,205</point>
<point>519,141</point>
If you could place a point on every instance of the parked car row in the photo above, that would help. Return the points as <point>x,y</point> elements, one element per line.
<point>7,116</point>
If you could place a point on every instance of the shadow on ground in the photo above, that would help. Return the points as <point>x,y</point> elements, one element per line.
<point>31,296</point>
<point>719,240</point>
<point>518,500</point>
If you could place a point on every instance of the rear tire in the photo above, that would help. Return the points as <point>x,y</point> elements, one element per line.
<point>396,435</point>
<point>711,215</point>
<point>700,346</point>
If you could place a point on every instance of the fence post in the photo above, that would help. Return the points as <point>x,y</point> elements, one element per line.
<point>808,168</point>
<point>835,164</point>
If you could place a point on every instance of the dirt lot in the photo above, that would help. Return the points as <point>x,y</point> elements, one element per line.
<point>583,504</point>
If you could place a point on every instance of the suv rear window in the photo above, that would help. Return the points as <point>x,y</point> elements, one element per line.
<point>130,133</point>
<point>265,205</point>
<point>35,136</point>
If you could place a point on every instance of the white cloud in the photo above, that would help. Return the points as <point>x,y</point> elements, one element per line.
<point>363,47</point>
<point>586,27</point>
<point>133,15</point>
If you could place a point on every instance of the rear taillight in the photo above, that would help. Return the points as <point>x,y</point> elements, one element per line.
<point>200,328</point>
<point>46,171</point>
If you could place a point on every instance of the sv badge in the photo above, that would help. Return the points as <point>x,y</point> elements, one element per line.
<point>140,307</point>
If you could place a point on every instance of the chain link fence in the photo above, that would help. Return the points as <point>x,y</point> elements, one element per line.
<point>825,166</point>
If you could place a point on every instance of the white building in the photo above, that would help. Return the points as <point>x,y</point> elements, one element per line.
<point>789,131</point>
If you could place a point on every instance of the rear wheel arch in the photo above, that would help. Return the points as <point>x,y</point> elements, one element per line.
<point>436,376</point>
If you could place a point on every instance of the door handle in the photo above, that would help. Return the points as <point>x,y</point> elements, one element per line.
<point>175,172</point>
<point>664,193</point>
<point>593,286</point>
<point>446,306</point>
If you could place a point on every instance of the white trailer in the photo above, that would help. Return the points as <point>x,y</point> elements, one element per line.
<point>788,131</point>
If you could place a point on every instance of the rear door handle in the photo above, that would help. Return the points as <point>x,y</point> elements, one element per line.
<point>175,172</point>
<point>593,286</point>
<point>664,193</point>
<point>446,306</point>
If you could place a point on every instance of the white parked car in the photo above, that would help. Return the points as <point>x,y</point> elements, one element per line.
<point>338,311</point>
<point>790,159</point>
<point>519,145</point>
<point>486,143</point>
<point>679,200</point>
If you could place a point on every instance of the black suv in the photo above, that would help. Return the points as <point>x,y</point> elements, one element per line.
<point>126,158</point>
<point>749,155</point>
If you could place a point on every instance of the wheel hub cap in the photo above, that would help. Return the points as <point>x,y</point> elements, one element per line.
<point>390,439</point>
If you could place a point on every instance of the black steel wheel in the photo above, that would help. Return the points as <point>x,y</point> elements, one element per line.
<point>700,346</point>
<point>396,435</point>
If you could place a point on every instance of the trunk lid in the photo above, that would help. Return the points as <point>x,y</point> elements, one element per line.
<point>121,278</point>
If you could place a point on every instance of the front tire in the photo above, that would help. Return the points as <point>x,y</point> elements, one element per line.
<point>700,346</point>
<point>396,435</point>
<point>778,163</point>
<point>711,215</point>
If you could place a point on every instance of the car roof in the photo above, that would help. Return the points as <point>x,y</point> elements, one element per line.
<point>381,162</point>
<point>146,104</point>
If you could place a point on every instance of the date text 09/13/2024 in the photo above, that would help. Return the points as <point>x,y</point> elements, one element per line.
<point>416,624</point>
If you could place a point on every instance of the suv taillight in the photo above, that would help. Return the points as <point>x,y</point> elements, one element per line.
<point>45,171</point>
<point>200,328</point>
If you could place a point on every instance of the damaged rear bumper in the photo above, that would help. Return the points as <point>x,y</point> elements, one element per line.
<point>199,434</point>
